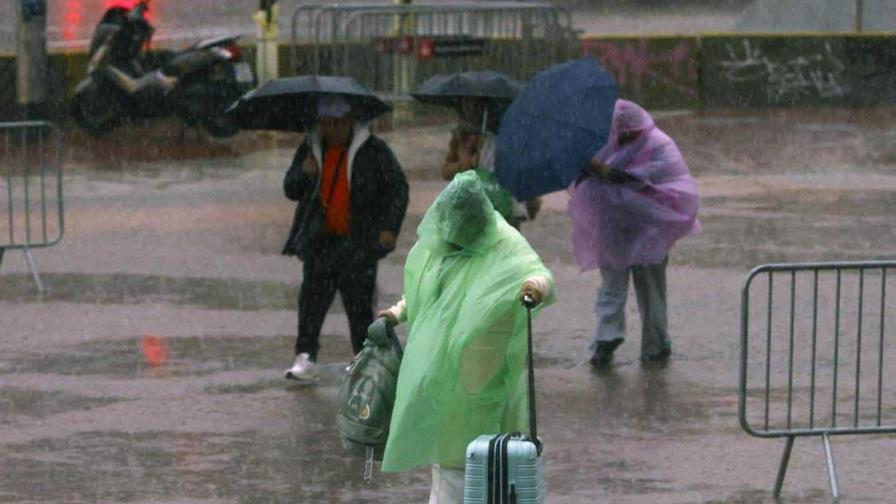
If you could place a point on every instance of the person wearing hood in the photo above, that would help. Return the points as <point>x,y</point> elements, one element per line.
<point>633,202</point>
<point>357,195</point>
<point>463,370</point>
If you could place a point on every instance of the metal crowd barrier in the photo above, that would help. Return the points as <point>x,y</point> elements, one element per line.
<point>30,189</point>
<point>340,38</point>
<point>818,366</point>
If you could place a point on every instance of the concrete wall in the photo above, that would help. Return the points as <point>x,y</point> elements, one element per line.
<point>659,71</point>
<point>787,71</point>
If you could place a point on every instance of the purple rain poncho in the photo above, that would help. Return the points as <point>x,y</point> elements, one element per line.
<point>618,225</point>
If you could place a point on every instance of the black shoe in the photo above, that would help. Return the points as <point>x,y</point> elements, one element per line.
<point>603,353</point>
<point>660,357</point>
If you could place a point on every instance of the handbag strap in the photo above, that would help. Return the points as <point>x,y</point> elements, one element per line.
<point>307,208</point>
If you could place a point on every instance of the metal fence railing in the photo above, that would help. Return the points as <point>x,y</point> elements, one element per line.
<point>385,46</point>
<point>813,354</point>
<point>32,213</point>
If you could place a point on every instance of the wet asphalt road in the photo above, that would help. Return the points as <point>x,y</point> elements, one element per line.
<point>151,370</point>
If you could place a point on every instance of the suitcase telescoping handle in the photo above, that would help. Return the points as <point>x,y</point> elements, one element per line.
<point>529,303</point>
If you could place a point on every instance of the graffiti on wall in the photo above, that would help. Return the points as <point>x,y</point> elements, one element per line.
<point>818,72</point>
<point>643,65</point>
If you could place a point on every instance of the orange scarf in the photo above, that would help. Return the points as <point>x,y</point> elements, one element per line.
<point>334,192</point>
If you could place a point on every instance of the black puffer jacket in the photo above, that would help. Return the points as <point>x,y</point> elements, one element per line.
<point>378,192</point>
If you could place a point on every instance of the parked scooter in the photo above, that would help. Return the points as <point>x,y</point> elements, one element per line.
<point>124,82</point>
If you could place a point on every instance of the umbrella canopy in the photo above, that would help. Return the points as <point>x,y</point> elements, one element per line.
<point>554,127</point>
<point>290,103</point>
<point>447,90</point>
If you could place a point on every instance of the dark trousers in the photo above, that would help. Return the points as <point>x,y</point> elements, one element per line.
<point>330,269</point>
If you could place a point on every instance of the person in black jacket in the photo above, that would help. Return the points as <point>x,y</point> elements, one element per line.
<point>352,196</point>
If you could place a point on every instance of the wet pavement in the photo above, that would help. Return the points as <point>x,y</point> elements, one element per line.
<point>150,371</point>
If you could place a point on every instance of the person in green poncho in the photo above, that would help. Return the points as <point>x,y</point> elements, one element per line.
<point>463,371</point>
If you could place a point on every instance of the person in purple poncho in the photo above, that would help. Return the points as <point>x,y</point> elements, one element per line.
<point>631,204</point>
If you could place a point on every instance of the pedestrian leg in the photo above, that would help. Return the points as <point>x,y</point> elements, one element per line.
<point>610,306</point>
<point>447,485</point>
<point>315,297</point>
<point>356,286</point>
<point>650,289</point>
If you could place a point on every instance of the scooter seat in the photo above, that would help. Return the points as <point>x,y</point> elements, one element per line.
<point>215,41</point>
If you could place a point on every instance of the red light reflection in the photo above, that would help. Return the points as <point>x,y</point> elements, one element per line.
<point>155,352</point>
<point>72,18</point>
<point>129,4</point>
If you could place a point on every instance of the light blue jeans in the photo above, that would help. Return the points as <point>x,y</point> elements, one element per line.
<point>650,290</point>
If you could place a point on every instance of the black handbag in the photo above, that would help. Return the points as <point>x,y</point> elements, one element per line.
<point>309,217</point>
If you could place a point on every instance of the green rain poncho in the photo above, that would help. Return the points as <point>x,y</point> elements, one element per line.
<point>463,371</point>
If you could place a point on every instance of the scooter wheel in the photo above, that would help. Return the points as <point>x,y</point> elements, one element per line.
<point>95,116</point>
<point>221,126</point>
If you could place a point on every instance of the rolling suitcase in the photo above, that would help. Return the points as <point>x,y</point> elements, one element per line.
<point>507,468</point>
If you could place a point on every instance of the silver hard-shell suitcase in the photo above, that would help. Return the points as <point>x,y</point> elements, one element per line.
<point>503,469</point>
<point>507,468</point>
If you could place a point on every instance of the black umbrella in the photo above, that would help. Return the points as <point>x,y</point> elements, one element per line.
<point>447,90</point>
<point>290,103</point>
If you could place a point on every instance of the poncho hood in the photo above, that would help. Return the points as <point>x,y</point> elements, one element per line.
<point>462,219</point>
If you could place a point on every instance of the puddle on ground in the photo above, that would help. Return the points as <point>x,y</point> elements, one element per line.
<point>633,401</point>
<point>39,403</point>
<point>329,375</point>
<point>126,289</point>
<point>186,356</point>
<point>304,464</point>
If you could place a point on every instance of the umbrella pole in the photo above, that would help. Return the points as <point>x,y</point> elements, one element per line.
<point>484,121</point>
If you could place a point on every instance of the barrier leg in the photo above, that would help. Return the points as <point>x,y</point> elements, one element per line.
<point>2,250</point>
<point>40,285</point>
<point>832,471</point>
<point>782,469</point>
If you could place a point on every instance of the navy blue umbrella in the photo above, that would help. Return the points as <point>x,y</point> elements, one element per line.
<point>554,127</point>
<point>290,103</point>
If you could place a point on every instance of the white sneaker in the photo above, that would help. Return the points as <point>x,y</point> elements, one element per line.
<point>303,369</point>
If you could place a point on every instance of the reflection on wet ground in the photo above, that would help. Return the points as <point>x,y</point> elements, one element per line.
<point>185,356</point>
<point>744,232</point>
<point>305,462</point>
<point>219,293</point>
<point>38,404</point>
<point>244,466</point>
